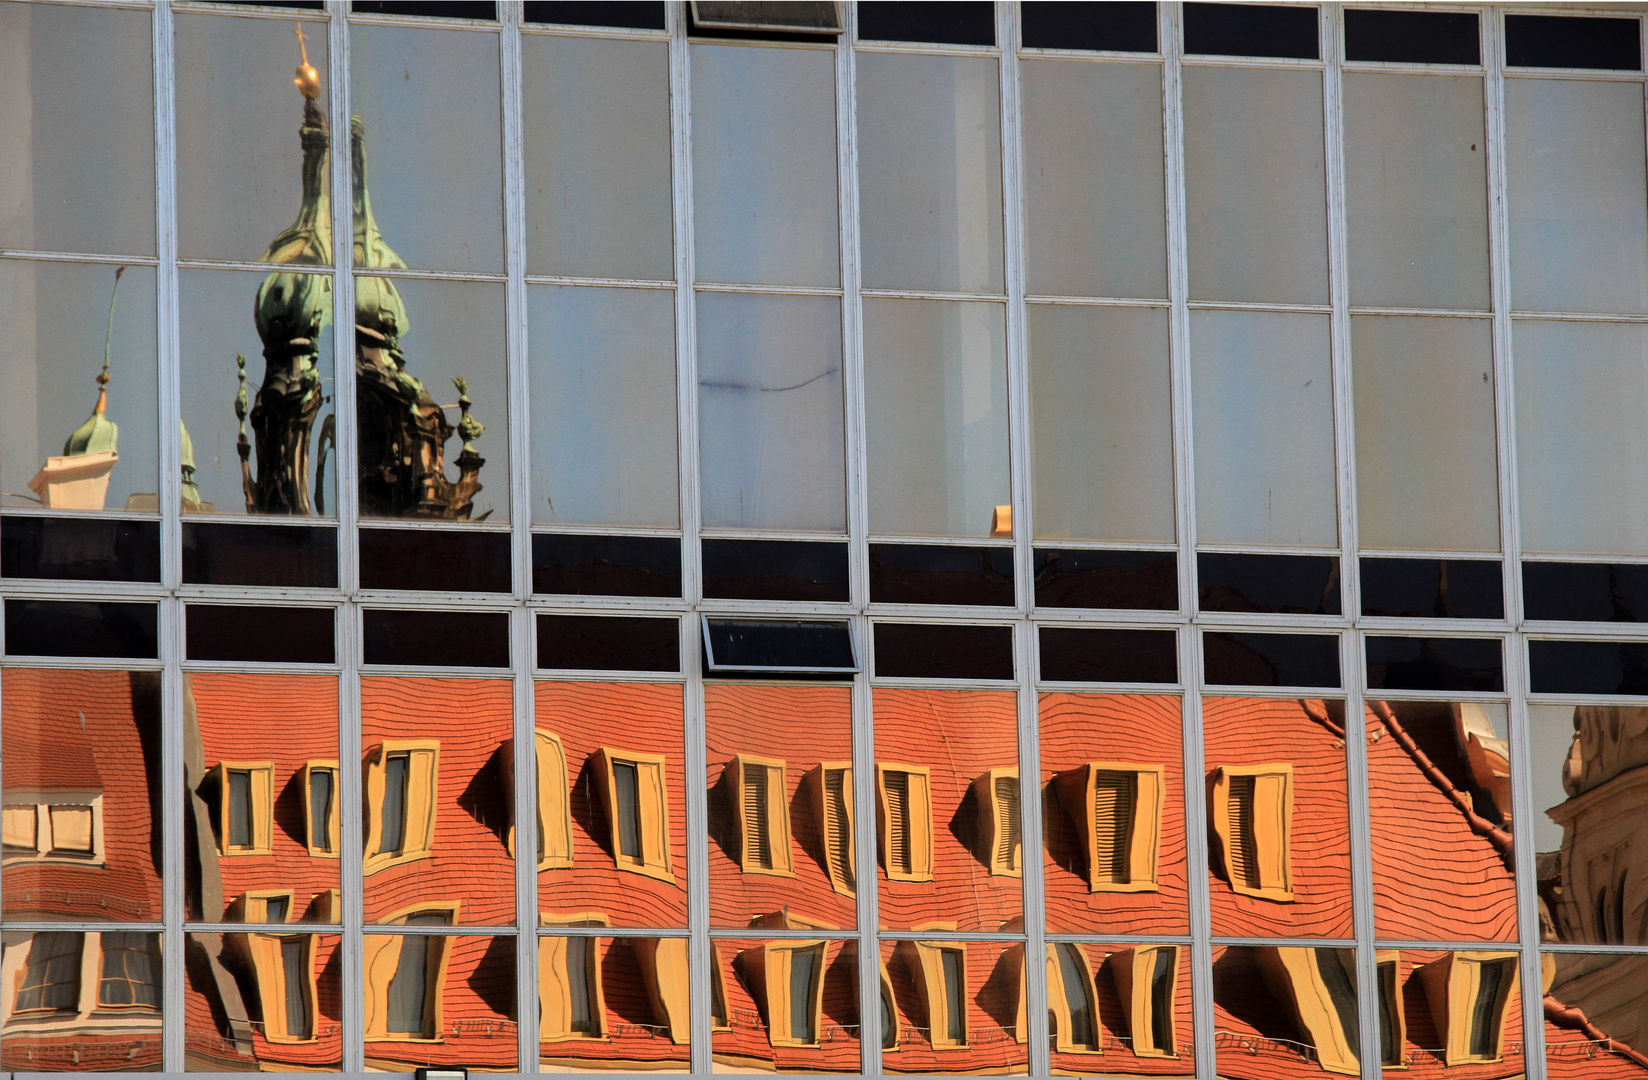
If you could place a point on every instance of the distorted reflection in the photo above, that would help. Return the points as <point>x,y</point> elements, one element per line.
<point>953,1007</point>
<point>80,1002</point>
<point>1591,787</point>
<point>1278,818</point>
<point>439,999</point>
<point>612,840</point>
<point>947,798</point>
<point>1114,1011</point>
<point>263,1002</point>
<point>82,806</point>
<point>261,768</point>
<point>787,1006</point>
<point>780,762</point>
<point>1596,1015</point>
<point>608,1003</point>
<point>437,800</point>
<point>1284,1012</point>
<point>1113,814</point>
<point>1439,809</point>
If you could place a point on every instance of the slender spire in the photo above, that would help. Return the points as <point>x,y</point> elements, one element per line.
<point>99,433</point>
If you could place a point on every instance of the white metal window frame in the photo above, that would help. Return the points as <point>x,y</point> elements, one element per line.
<point>1351,628</point>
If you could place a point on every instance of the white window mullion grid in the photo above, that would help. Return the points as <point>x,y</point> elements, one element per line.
<point>1018,456</point>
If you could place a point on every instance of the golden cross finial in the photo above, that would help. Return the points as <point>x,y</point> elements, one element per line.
<point>308,79</point>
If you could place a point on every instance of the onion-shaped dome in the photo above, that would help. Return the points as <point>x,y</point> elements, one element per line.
<point>98,434</point>
<point>378,304</point>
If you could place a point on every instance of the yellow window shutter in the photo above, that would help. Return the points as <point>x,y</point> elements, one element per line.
<point>1147,981</point>
<point>1116,807</point>
<point>1393,1015</point>
<point>1318,989</point>
<point>834,787</point>
<point>906,812</point>
<point>374,811</point>
<point>554,804</point>
<point>942,968</point>
<point>1252,811</point>
<point>561,961</point>
<point>1272,828</point>
<point>664,968</point>
<point>720,1019</point>
<point>422,776</point>
<point>997,796</point>
<point>759,790</point>
<point>381,954</point>
<point>1071,990</point>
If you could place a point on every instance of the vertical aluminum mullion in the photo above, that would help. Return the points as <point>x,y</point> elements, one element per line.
<point>343,408</point>
<point>699,949</point>
<point>521,637</point>
<point>1522,802</point>
<point>1344,431</point>
<point>170,492</point>
<point>1018,427</point>
<point>1184,488</point>
<point>866,882</point>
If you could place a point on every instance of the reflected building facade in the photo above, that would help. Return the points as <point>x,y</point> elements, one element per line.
<point>946,539</point>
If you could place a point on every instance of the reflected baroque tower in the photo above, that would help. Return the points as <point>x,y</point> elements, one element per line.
<point>403,431</point>
<point>1601,892</point>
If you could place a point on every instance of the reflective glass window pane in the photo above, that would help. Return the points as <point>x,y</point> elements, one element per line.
<point>296,983</point>
<point>1416,190</point>
<point>612,838</point>
<point>1263,418</point>
<point>953,1007</point>
<point>1278,817</point>
<point>603,406</point>
<point>1593,995</point>
<point>426,993</point>
<point>596,141</point>
<point>785,1006</point>
<point>936,395</point>
<point>1577,194</point>
<point>81,784</point>
<point>257,749</point>
<point>1113,998</point>
<point>950,835</point>
<point>425,351</point>
<point>1094,196</point>
<point>252,149</point>
<point>437,800</point>
<point>1113,819</point>
<point>1439,792</point>
<point>1255,205</point>
<point>74,440</point>
<point>1271,1003</point>
<point>780,780</point>
<point>1427,475</point>
<point>929,167</point>
<point>1101,417</point>
<point>764,166</point>
<point>771,434</point>
<point>1580,400</point>
<point>427,117</point>
<point>613,1004</point>
<point>1587,813</point>
<point>67,985</point>
<point>280,359</point>
<point>79,130</point>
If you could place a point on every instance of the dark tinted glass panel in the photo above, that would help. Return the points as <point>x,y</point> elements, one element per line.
<point>1251,30</point>
<point>82,549</point>
<point>931,651</point>
<point>1118,27</point>
<point>1561,41</point>
<point>1439,588</point>
<point>633,16</point>
<point>950,24</point>
<point>1585,592</point>
<point>1588,667</point>
<point>1434,664</point>
<point>940,574</point>
<point>450,9</point>
<point>434,559</point>
<point>809,20</point>
<point>774,570</point>
<point>1130,580</point>
<point>290,556</point>
<point>606,565</point>
<point>274,634</point>
<point>73,628</point>
<point>305,5</point>
<point>436,638</point>
<point>588,643</point>
<point>1071,654</point>
<point>778,645</point>
<point>1271,659</point>
<point>1299,584</point>
<point>1412,37</point>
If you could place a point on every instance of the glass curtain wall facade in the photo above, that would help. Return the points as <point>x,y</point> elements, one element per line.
<point>763,448</point>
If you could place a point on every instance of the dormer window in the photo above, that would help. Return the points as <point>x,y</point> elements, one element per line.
<point>633,789</point>
<point>246,807</point>
<point>833,787</point>
<point>1147,980</point>
<point>1117,810</point>
<point>1252,809</point>
<point>906,811</point>
<point>1469,994</point>
<point>997,794</point>
<point>760,796</point>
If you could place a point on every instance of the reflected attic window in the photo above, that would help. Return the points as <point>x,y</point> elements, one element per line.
<point>403,431</point>
<point>789,16</point>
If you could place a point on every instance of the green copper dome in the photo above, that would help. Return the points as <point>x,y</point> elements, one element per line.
<point>98,434</point>
<point>294,305</point>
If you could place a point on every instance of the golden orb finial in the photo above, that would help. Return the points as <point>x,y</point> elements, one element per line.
<point>308,79</point>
